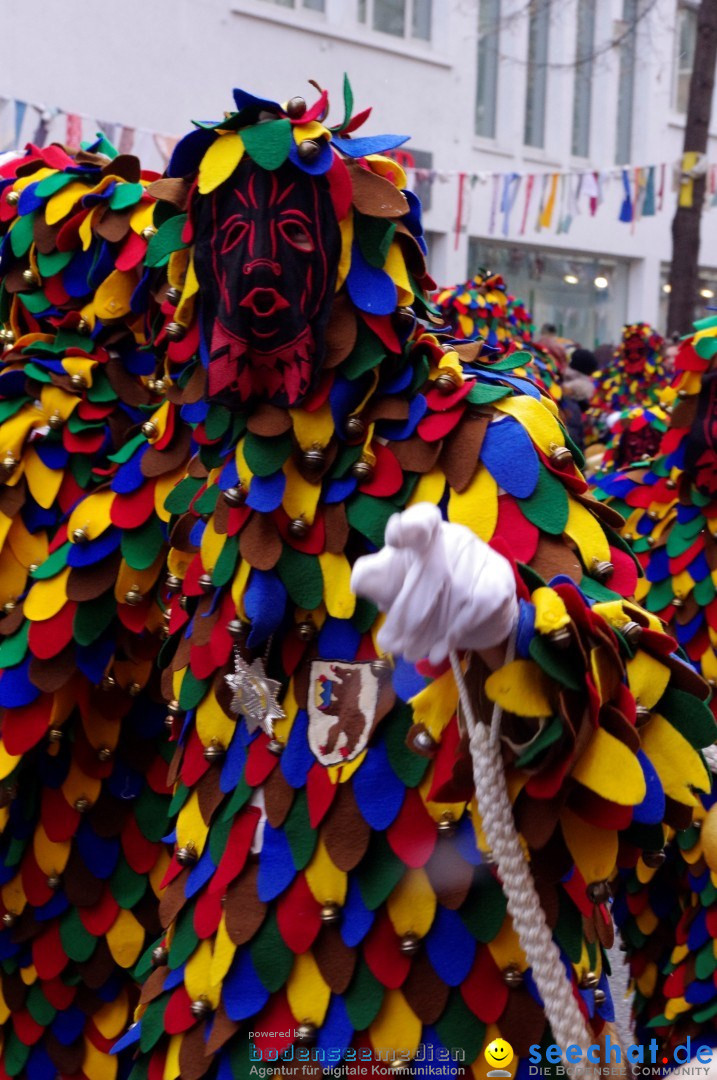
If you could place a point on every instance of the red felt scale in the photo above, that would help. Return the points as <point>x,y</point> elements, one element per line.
<point>298,916</point>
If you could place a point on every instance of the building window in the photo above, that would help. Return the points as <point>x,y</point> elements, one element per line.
<point>538,36</point>
<point>311,5</point>
<point>626,83</point>
<point>487,82</point>
<point>685,40</point>
<point>582,93</point>
<point>402,18</point>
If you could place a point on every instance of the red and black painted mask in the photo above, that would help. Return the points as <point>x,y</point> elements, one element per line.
<point>701,452</point>
<point>635,353</point>
<point>267,253</point>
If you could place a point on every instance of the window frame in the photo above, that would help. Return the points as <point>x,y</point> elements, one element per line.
<point>493,69</point>
<point>684,7</point>
<point>537,71</point>
<point>409,9</point>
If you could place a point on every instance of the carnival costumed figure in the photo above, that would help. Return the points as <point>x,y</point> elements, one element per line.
<point>483,309</point>
<point>335,892</point>
<point>84,759</point>
<point>636,378</point>
<point>668,910</point>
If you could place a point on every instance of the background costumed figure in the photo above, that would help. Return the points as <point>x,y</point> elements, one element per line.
<point>330,889</point>
<point>636,378</point>
<point>85,793</point>
<point>668,909</point>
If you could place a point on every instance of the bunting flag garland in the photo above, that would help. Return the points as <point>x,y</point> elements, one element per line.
<point>22,122</point>
<point>326,885</point>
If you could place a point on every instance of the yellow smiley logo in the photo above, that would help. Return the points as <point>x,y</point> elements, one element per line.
<point>499,1053</point>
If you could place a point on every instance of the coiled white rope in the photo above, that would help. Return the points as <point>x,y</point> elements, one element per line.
<point>543,956</point>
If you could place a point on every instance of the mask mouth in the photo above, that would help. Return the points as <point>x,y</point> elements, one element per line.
<point>264,302</point>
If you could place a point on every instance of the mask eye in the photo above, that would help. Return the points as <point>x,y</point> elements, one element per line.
<point>297,235</point>
<point>235,230</point>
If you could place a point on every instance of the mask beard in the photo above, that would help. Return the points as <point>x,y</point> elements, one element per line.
<point>266,257</point>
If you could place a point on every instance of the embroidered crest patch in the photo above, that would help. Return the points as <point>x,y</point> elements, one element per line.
<point>342,709</point>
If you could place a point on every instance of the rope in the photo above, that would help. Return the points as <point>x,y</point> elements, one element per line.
<point>536,939</point>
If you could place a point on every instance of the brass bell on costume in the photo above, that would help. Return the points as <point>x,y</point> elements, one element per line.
<point>422,742</point>
<point>330,913</point>
<point>447,824</point>
<point>54,735</point>
<point>160,955</point>
<point>30,278</point>
<point>653,859</point>
<point>214,752</point>
<point>82,805</point>
<point>355,429</point>
<point>150,429</point>
<point>561,457</point>
<point>78,382</point>
<point>299,528</point>
<point>602,570</point>
<point>175,331</point>
<point>56,422</point>
<point>8,465</point>
<point>410,944</point>
<point>13,198</point>
<point>447,382</point>
<point>148,232</point>
<point>308,149</point>
<point>295,108</point>
<point>133,596</point>
<point>80,536</point>
<point>186,856</point>
<point>306,630</point>
<point>631,631</point>
<point>108,682</point>
<point>512,976</point>
<point>173,295</point>
<point>598,892</point>
<point>200,1008</point>
<point>173,583</point>
<point>313,461</point>
<point>234,496</point>
<point>561,637</point>
<point>205,583</point>
<point>54,881</point>
<point>362,471</point>
<point>9,919</point>
<point>305,1033</point>
<point>589,981</point>
<point>275,747</point>
<point>104,753</point>
<point>235,628</point>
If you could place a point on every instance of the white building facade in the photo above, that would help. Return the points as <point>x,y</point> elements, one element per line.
<point>486,88</point>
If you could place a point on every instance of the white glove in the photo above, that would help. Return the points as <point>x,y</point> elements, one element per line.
<point>443,587</point>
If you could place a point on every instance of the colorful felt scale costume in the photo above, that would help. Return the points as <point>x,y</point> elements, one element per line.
<point>83,767</point>
<point>483,309</point>
<point>669,911</point>
<point>329,894</point>
<point>636,378</point>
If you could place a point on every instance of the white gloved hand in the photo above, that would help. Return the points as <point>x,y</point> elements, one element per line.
<point>443,587</point>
